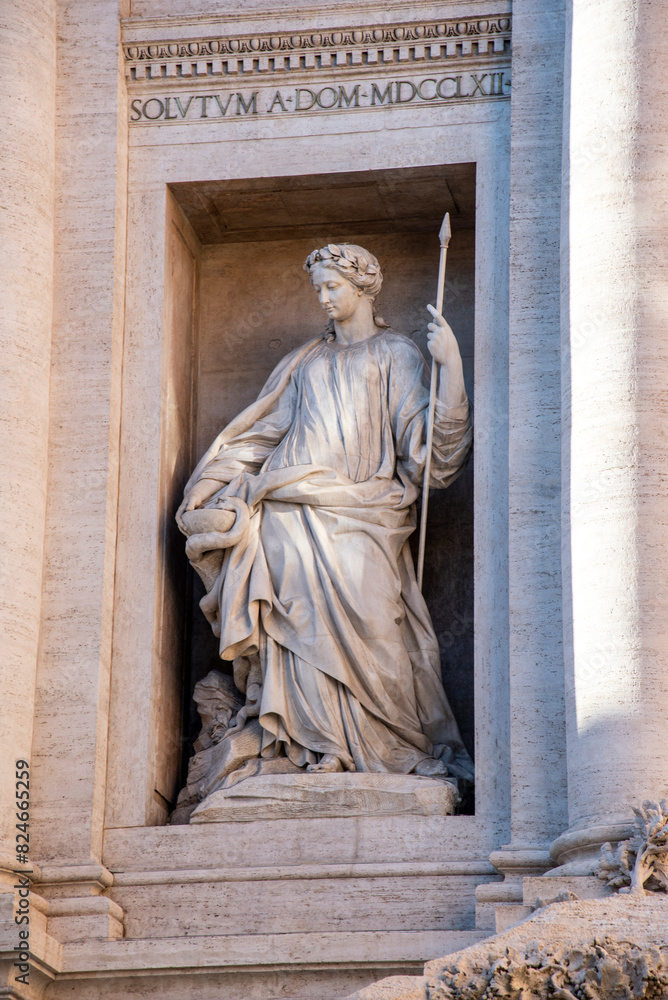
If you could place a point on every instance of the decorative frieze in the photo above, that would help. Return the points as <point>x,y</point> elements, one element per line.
<point>265,55</point>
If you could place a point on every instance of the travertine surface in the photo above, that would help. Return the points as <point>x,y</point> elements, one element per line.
<point>190,153</point>
<point>124,350</point>
<point>132,392</point>
<point>27,165</point>
<point>538,771</point>
<point>614,398</point>
<point>538,768</point>
<point>71,722</point>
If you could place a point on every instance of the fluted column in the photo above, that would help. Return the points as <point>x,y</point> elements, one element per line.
<point>27,68</point>
<point>615,413</point>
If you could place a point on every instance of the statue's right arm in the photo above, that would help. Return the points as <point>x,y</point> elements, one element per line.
<point>251,436</point>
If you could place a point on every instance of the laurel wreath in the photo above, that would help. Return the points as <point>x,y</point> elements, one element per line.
<point>343,257</point>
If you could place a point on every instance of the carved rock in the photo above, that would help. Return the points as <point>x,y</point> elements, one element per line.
<point>640,864</point>
<point>607,949</point>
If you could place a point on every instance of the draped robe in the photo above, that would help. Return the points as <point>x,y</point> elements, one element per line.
<point>320,588</point>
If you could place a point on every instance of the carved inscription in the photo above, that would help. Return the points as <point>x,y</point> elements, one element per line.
<point>330,98</point>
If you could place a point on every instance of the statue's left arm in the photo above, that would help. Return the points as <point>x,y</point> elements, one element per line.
<point>409,398</point>
<point>453,431</point>
<point>444,349</point>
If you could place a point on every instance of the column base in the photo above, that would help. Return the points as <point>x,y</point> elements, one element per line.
<point>514,862</point>
<point>577,852</point>
<point>542,890</point>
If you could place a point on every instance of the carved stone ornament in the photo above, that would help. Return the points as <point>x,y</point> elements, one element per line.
<point>362,48</point>
<point>218,702</point>
<point>639,865</point>
<point>599,970</point>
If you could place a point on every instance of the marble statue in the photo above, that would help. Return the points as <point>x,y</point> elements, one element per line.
<point>298,519</point>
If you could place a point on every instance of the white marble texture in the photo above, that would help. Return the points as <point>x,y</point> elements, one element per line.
<point>293,796</point>
<point>316,600</point>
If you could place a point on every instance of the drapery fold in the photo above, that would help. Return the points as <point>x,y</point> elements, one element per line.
<point>329,462</point>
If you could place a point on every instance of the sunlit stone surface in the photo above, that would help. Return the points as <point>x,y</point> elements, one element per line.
<point>167,166</point>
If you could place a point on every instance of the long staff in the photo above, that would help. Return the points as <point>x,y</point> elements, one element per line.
<point>444,238</point>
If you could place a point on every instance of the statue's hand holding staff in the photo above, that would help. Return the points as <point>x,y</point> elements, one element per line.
<point>444,349</point>
<point>441,340</point>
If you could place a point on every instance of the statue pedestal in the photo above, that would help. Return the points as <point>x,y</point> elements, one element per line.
<point>305,796</point>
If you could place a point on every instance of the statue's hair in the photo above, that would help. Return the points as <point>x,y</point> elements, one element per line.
<point>355,263</point>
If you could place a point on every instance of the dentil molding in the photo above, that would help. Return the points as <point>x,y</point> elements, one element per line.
<point>267,54</point>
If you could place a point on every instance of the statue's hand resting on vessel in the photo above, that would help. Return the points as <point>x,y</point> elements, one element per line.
<point>202,491</point>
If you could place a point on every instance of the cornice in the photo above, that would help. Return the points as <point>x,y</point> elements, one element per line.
<point>270,53</point>
<point>237,17</point>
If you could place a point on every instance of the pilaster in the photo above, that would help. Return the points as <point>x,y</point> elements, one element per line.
<point>71,720</point>
<point>28,60</point>
<point>537,734</point>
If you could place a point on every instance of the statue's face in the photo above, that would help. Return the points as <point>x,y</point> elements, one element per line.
<point>213,709</point>
<point>338,296</point>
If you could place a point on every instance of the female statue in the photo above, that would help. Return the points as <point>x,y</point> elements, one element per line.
<point>312,589</point>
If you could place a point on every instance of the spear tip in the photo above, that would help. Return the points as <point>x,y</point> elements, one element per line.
<point>445,231</point>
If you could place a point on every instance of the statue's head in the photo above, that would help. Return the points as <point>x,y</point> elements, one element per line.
<point>342,274</point>
<point>217,699</point>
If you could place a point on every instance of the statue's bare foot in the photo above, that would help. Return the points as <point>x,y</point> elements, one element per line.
<point>328,764</point>
<point>431,768</point>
